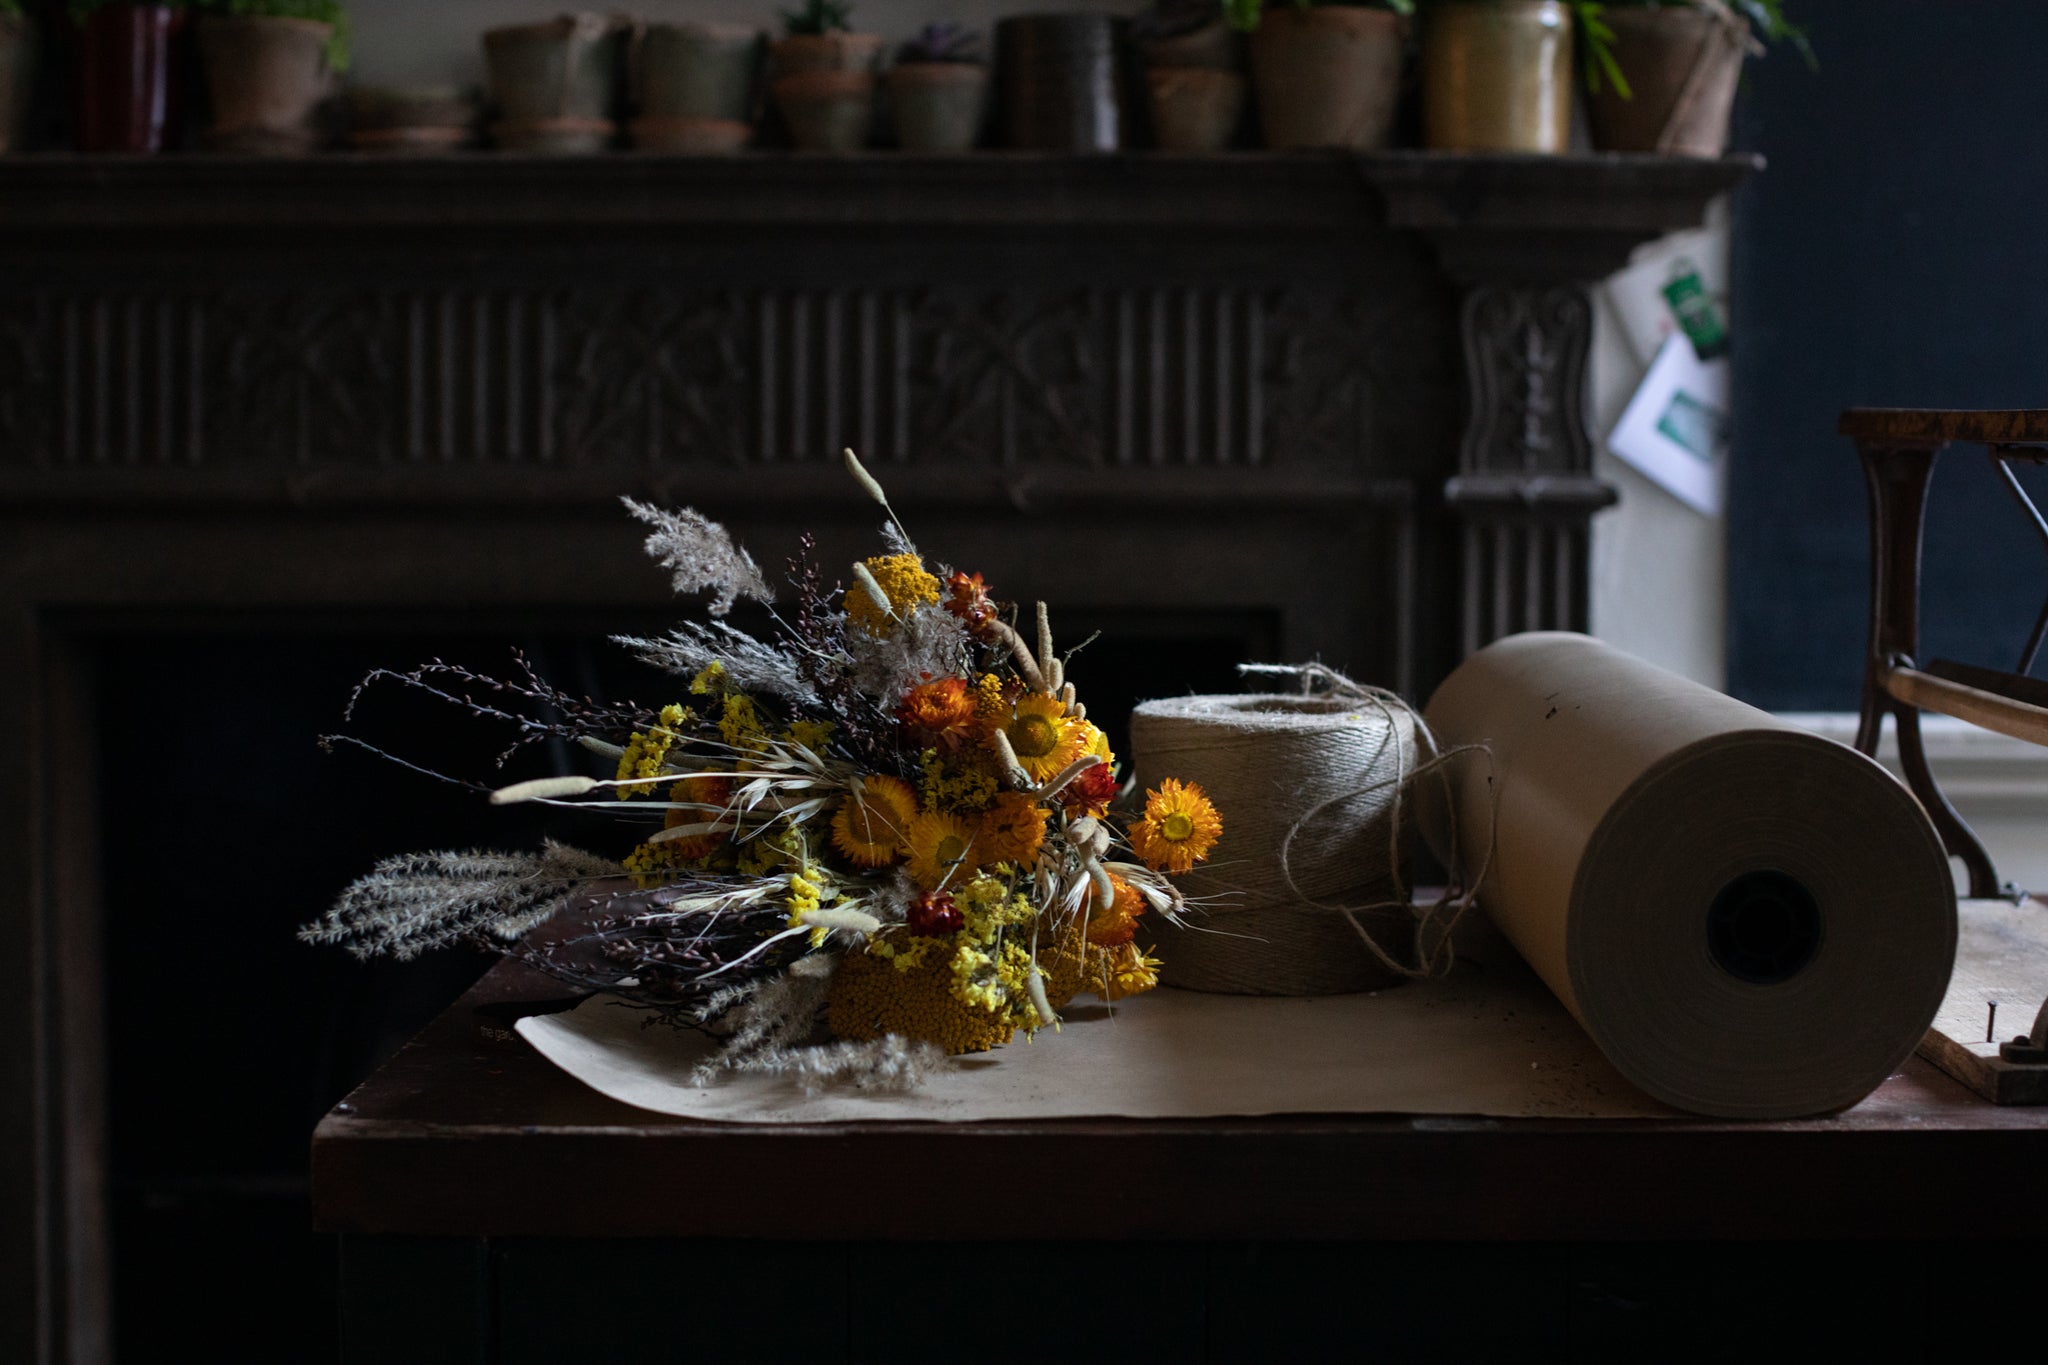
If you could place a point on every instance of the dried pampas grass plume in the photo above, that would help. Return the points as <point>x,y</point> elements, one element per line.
<point>700,556</point>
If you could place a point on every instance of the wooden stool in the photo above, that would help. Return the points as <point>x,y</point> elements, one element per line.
<point>1899,446</point>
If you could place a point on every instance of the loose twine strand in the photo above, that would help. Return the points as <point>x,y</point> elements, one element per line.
<point>1325,749</point>
<point>1435,951</point>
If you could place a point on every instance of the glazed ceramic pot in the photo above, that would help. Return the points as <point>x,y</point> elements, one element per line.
<point>129,92</point>
<point>1061,81</point>
<point>555,84</point>
<point>1328,76</point>
<point>267,79</point>
<point>696,87</point>
<point>1497,76</point>
<point>1682,64</point>
<point>939,106</point>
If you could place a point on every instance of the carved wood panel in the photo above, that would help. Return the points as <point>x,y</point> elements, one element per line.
<point>1172,375</point>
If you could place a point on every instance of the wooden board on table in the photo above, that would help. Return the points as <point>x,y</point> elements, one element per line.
<point>2002,956</point>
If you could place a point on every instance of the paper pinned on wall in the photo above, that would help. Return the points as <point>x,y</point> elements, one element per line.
<point>1675,430</point>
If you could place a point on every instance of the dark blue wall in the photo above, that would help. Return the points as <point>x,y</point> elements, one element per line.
<point>1894,254</point>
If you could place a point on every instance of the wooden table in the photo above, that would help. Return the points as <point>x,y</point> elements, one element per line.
<point>491,1208</point>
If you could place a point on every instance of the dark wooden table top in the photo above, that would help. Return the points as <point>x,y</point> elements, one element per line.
<point>461,1135</point>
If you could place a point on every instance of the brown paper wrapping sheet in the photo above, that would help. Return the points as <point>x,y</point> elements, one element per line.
<point>1749,920</point>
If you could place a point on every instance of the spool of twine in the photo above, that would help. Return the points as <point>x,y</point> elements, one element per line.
<point>1306,894</point>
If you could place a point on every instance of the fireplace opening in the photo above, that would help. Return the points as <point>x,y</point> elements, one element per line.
<point>225,1039</point>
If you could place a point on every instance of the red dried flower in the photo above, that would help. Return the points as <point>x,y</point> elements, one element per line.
<point>934,915</point>
<point>1091,792</point>
<point>944,709</point>
<point>967,598</point>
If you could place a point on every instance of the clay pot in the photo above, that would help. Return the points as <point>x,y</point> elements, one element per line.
<point>827,111</point>
<point>1328,76</point>
<point>556,84</point>
<point>1213,47</point>
<point>697,71</point>
<point>824,88</point>
<point>389,119</point>
<point>803,52</point>
<point>267,78</point>
<point>1682,67</point>
<point>939,105</point>
<point>130,94</point>
<point>1195,109</point>
<point>1497,76</point>
<point>690,136</point>
<point>17,78</point>
<point>1062,83</point>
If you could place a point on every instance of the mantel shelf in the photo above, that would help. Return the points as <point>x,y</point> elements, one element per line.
<point>1605,194</point>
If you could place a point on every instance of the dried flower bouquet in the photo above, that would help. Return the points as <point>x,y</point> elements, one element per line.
<point>892,819</point>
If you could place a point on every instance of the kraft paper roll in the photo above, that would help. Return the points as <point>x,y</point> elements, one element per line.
<point>1750,921</point>
<point>1326,768</point>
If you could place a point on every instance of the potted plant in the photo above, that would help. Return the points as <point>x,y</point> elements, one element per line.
<point>696,86</point>
<point>130,84</point>
<point>939,90</point>
<point>824,77</point>
<point>1327,75</point>
<point>555,84</point>
<point>407,119</point>
<point>17,72</point>
<point>1497,74</point>
<point>1194,74</point>
<point>270,65</point>
<point>1676,66</point>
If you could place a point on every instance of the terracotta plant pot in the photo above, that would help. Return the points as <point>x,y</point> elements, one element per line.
<point>130,96</point>
<point>1062,82</point>
<point>267,78</point>
<point>556,84</point>
<point>17,78</point>
<point>690,136</point>
<point>1328,76</point>
<point>827,111</point>
<point>1682,66</point>
<point>939,106</point>
<point>1213,47</point>
<point>697,71</point>
<point>1195,109</point>
<point>1497,76</point>
<point>398,120</point>
<point>794,55</point>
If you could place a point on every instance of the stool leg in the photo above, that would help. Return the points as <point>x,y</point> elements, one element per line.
<point>1896,478</point>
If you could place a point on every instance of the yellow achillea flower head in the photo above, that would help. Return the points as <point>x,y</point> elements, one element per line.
<point>869,828</point>
<point>646,752</point>
<point>942,848</point>
<point>1041,735</point>
<point>1179,828</point>
<point>871,996</point>
<point>1012,830</point>
<point>903,579</point>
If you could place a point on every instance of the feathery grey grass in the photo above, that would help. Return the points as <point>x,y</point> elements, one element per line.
<point>701,557</point>
<point>409,904</point>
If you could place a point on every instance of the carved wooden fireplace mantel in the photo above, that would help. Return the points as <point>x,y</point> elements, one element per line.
<point>1343,395</point>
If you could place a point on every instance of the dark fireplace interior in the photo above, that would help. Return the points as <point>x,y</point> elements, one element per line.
<point>204,885</point>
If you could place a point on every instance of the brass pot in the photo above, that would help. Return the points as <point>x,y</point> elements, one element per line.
<point>1682,67</point>
<point>1497,76</point>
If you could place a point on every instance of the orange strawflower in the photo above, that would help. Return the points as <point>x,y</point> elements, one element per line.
<point>1012,830</point>
<point>704,790</point>
<point>944,709</point>
<point>1116,924</point>
<point>1179,828</point>
<point>1041,735</point>
<point>943,849</point>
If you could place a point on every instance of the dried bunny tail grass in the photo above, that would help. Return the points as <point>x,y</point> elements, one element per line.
<point>409,904</point>
<point>752,665</point>
<point>701,557</point>
<point>873,489</point>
